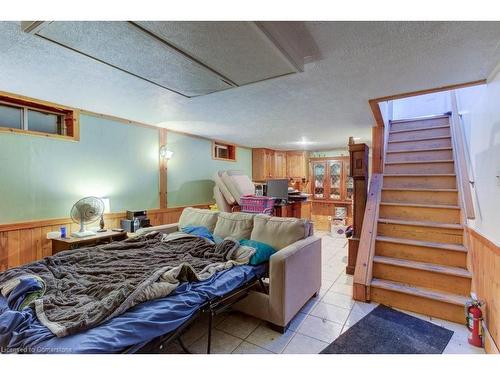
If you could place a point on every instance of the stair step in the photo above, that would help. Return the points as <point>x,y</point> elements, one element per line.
<point>422,189</point>
<point>421,139</point>
<point>437,245</point>
<point>447,126</point>
<point>422,223</point>
<point>426,181</point>
<point>421,205</point>
<point>419,144</point>
<point>453,255</point>
<point>419,155</point>
<point>427,275</point>
<point>420,150</point>
<point>420,195</point>
<point>406,135</point>
<point>420,167</point>
<point>421,230</point>
<point>420,119</point>
<point>437,295</point>
<point>426,301</point>
<point>412,162</point>
<point>418,211</point>
<point>430,267</point>
<point>416,123</point>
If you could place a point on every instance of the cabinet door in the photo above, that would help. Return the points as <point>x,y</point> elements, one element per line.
<point>335,179</point>
<point>349,182</point>
<point>319,174</point>
<point>296,164</point>
<point>269,164</point>
<point>280,164</point>
<point>258,164</point>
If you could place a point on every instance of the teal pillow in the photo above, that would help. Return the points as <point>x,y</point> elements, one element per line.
<point>262,251</point>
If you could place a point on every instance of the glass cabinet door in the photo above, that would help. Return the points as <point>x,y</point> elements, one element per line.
<point>335,169</point>
<point>319,177</point>
<point>349,182</point>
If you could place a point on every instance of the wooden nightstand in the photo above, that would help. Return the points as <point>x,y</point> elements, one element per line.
<point>61,244</point>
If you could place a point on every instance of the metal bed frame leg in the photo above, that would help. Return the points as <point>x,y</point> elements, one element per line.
<point>210,321</point>
<point>183,346</point>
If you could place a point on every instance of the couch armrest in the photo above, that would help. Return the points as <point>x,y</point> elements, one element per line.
<point>294,277</point>
<point>166,228</point>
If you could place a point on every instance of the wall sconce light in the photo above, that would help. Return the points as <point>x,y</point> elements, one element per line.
<point>166,154</point>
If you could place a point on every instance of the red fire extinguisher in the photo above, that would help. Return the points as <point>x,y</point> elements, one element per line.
<point>474,318</point>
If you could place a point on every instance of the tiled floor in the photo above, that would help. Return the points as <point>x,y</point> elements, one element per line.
<point>318,324</point>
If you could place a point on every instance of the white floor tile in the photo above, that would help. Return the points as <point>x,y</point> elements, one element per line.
<point>270,340</point>
<point>338,299</point>
<point>222,343</point>
<point>301,344</point>
<point>461,347</point>
<point>239,325</point>
<point>341,288</point>
<point>320,329</point>
<point>249,348</point>
<point>309,306</point>
<point>329,312</point>
<point>297,321</point>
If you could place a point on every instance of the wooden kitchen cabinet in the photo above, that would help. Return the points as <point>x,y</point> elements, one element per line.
<point>263,164</point>
<point>280,164</point>
<point>296,164</point>
<point>267,164</point>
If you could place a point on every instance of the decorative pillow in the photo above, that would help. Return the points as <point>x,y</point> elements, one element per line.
<point>198,217</point>
<point>236,225</point>
<point>198,231</point>
<point>279,232</point>
<point>262,251</point>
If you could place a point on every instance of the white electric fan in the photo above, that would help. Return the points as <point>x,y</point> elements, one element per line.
<point>85,211</point>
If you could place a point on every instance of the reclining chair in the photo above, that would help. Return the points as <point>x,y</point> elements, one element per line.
<point>229,187</point>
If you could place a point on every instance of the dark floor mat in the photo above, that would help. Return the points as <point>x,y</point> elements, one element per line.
<point>387,331</point>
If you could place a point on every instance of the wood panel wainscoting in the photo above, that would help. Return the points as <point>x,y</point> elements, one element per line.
<point>484,259</point>
<point>25,242</point>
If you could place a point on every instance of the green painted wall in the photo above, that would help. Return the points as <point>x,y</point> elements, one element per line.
<point>191,169</point>
<point>41,178</point>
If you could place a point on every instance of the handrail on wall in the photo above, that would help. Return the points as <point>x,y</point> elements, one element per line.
<point>366,250</point>
<point>461,165</point>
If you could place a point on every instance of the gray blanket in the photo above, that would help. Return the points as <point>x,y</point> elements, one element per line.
<point>87,286</point>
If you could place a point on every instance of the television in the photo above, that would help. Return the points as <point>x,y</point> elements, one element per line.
<point>277,189</point>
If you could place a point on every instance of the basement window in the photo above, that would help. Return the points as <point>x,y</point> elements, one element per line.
<point>223,151</point>
<point>30,116</point>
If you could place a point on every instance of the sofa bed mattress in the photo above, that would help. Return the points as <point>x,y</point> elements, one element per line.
<point>20,331</point>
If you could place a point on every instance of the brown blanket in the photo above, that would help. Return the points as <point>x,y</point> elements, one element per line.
<point>87,286</point>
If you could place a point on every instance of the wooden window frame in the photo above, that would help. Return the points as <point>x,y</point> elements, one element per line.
<point>70,116</point>
<point>231,151</point>
<point>344,175</point>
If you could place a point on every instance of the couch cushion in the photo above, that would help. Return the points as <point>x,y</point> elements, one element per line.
<point>238,184</point>
<point>222,204</point>
<point>198,217</point>
<point>219,183</point>
<point>279,232</point>
<point>237,225</point>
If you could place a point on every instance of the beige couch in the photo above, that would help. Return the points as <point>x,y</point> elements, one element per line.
<point>294,270</point>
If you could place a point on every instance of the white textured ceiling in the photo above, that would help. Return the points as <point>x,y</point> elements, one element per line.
<point>325,104</point>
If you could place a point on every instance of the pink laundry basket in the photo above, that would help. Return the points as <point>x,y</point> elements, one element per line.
<point>256,205</point>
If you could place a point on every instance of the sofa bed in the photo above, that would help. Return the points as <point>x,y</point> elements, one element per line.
<point>293,271</point>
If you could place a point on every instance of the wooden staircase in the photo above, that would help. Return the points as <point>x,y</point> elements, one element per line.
<point>415,232</point>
